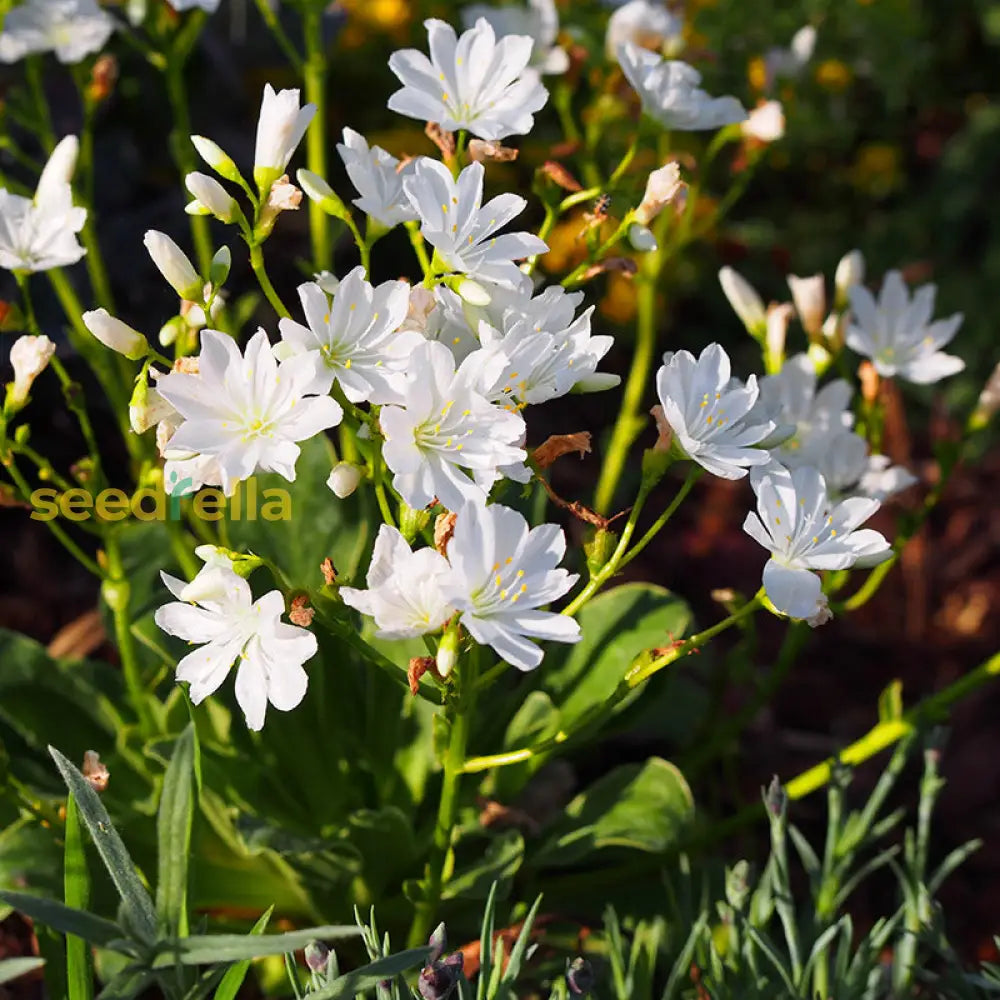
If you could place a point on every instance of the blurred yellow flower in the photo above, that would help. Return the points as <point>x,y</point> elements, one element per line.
<point>833,74</point>
<point>876,169</point>
<point>618,304</point>
<point>366,16</point>
<point>757,73</point>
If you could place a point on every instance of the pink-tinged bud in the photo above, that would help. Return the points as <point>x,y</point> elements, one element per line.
<point>766,123</point>
<point>283,197</point>
<point>174,265</point>
<point>29,357</point>
<point>115,334</point>
<point>746,303</point>
<point>663,187</point>
<point>809,296</point>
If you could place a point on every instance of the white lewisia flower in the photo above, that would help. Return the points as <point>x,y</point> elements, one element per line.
<point>462,229</point>
<point>39,234</point>
<point>29,357</point>
<point>280,128</point>
<point>474,82</point>
<point>645,23</point>
<point>713,416</point>
<point>501,574</point>
<point>378,178</point>
<point>847,468</point>
<point>209,6</point>
<point>404,588</point>
<point>816,417</point>
<point>248,411</point>
<point>896,332</point>
<point>766,122</point>
<point>444,427</point>
<point>72,29</point>
<point>228,625</point>
<point>356,340</point>
<point>539,20</point>
<point>670,94</point>
<point>791,61</point>
<point>804,530</point>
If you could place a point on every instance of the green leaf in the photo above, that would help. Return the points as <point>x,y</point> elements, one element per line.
<point>141,916</point>
<point>535,721</point>
<point>237,972</point>
<point>639,806</point>
<point>129,983</point>
<point>617,626</point>
<point>63,918</point>
<point>173,834</point>
<point>369,976</point>
<point>205,949</point>
<point>11,968</point>
<point>491,871</point>
<point>76,878</point>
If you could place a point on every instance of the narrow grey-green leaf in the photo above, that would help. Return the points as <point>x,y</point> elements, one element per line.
<point>236,973</point>
<point>129,983</point>
<point>63,918</point>
<point>11,968</point>
<point>369,976</point>
<point>205,949</point>
<point>76,885</point>
<point>173,834</point>
<point>121,868</point>
<point>513,969</point>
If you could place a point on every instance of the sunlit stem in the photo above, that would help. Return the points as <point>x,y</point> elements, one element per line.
<point>257,263</point>
<point>419,247</point>
<point>315,73</point>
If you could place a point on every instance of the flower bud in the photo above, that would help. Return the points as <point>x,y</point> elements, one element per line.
<point>283,197</point>
<point>642,238</point>
<point>317,190</point>
<point>58,171</point>
<point>746,303</point>
<point>662,188</point>
<point>580,977</point>
<point>850,272</point>
<point>439,979</point>
<point>174,265</point>
<point>809,296</point>
<point>778,318</point>
<point>344,479</point>
<point>218,270</point>
<point>280,128</point>
<point>220,161</point>
<point>29,357</point>
<point>171,330</point>
<point>210,193</point>
<point>988,403</point>
<point>113,333</point>
<point>437,942</point>
<point>447,654</point>
<point>766,123</point>
<point>317,955</point>
<point>472,292</point>
<point>776,799</point>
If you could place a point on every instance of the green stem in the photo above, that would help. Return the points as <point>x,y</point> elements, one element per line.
<point>440,859</point>
<point>257,263</point>
<point>273,23</point>
<point>628,422</point>
<point>692,477</point>
<point>315,71</point>
<point>33,73</point>
<point>184,153</point>
<point>417,240</point>
<point>23,286</point>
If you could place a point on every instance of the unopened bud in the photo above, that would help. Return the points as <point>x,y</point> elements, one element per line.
<point>317,190</point>
<point>809,296</point>
<point>147,407</point>
<point>778,318</point>
<point>662,187</point>
<point>746,303</point>
<point>58,170</point>
<point>472,292</point>
<point>850,272</point>
<point>212,195</point>
<point>171,330</point>
<point>216,157</point>
<point>317,955</point>
<point>344,479</point>
<point>113,333</point>
<point>642,239</point>
<point>29,357</point>
<point>437,942</point>
<point>439,979</point>
<point>776,799</point>
<point>174,265</point>
<point>447,654</point>
<point>988,403</point>
<point>580,977</point>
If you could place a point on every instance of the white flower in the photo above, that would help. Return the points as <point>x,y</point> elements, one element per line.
<point>343,479</point>
<point>539,20</point>
<point>115,334</point>
<point>779,315</point>
<point>712,416</point>
<point>29,356</point>
<point>72,29</point>
<point>809,296</point>
<point>444,427</point>
<point>896,332</point>
<point>211,195</point>
<point>501,575</point>
<point>847,468</point>
<point>174,265</point>
<point>228,625</point>
<point>817,417</point>
<point>766,122</point>
<point>850,272</point>
<point>404,588</point>
<point>462,230</point>
<point>663,187</point>
<point>280,128</point>
<point>645,23</point>
<point>378,178</point>
<point>804,530</point>
<point>354,341</point>
<point>474,82</point>
<point>209,6</point>
<point>746,303</point>
<point>881,479</point>
<point>791,61</point>
<point>669,92</point>
<point>246,411</point>
<point>40,233</point>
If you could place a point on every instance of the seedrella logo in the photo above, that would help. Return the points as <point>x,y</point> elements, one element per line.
<point>164,503</point>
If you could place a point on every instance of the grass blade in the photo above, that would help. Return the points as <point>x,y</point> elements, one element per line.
<point>63,918</point>
<point>236,973</point>
<point>369,976</point>
<point>76,891</point>
<point>207,949</point>
<point>173,833</point>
